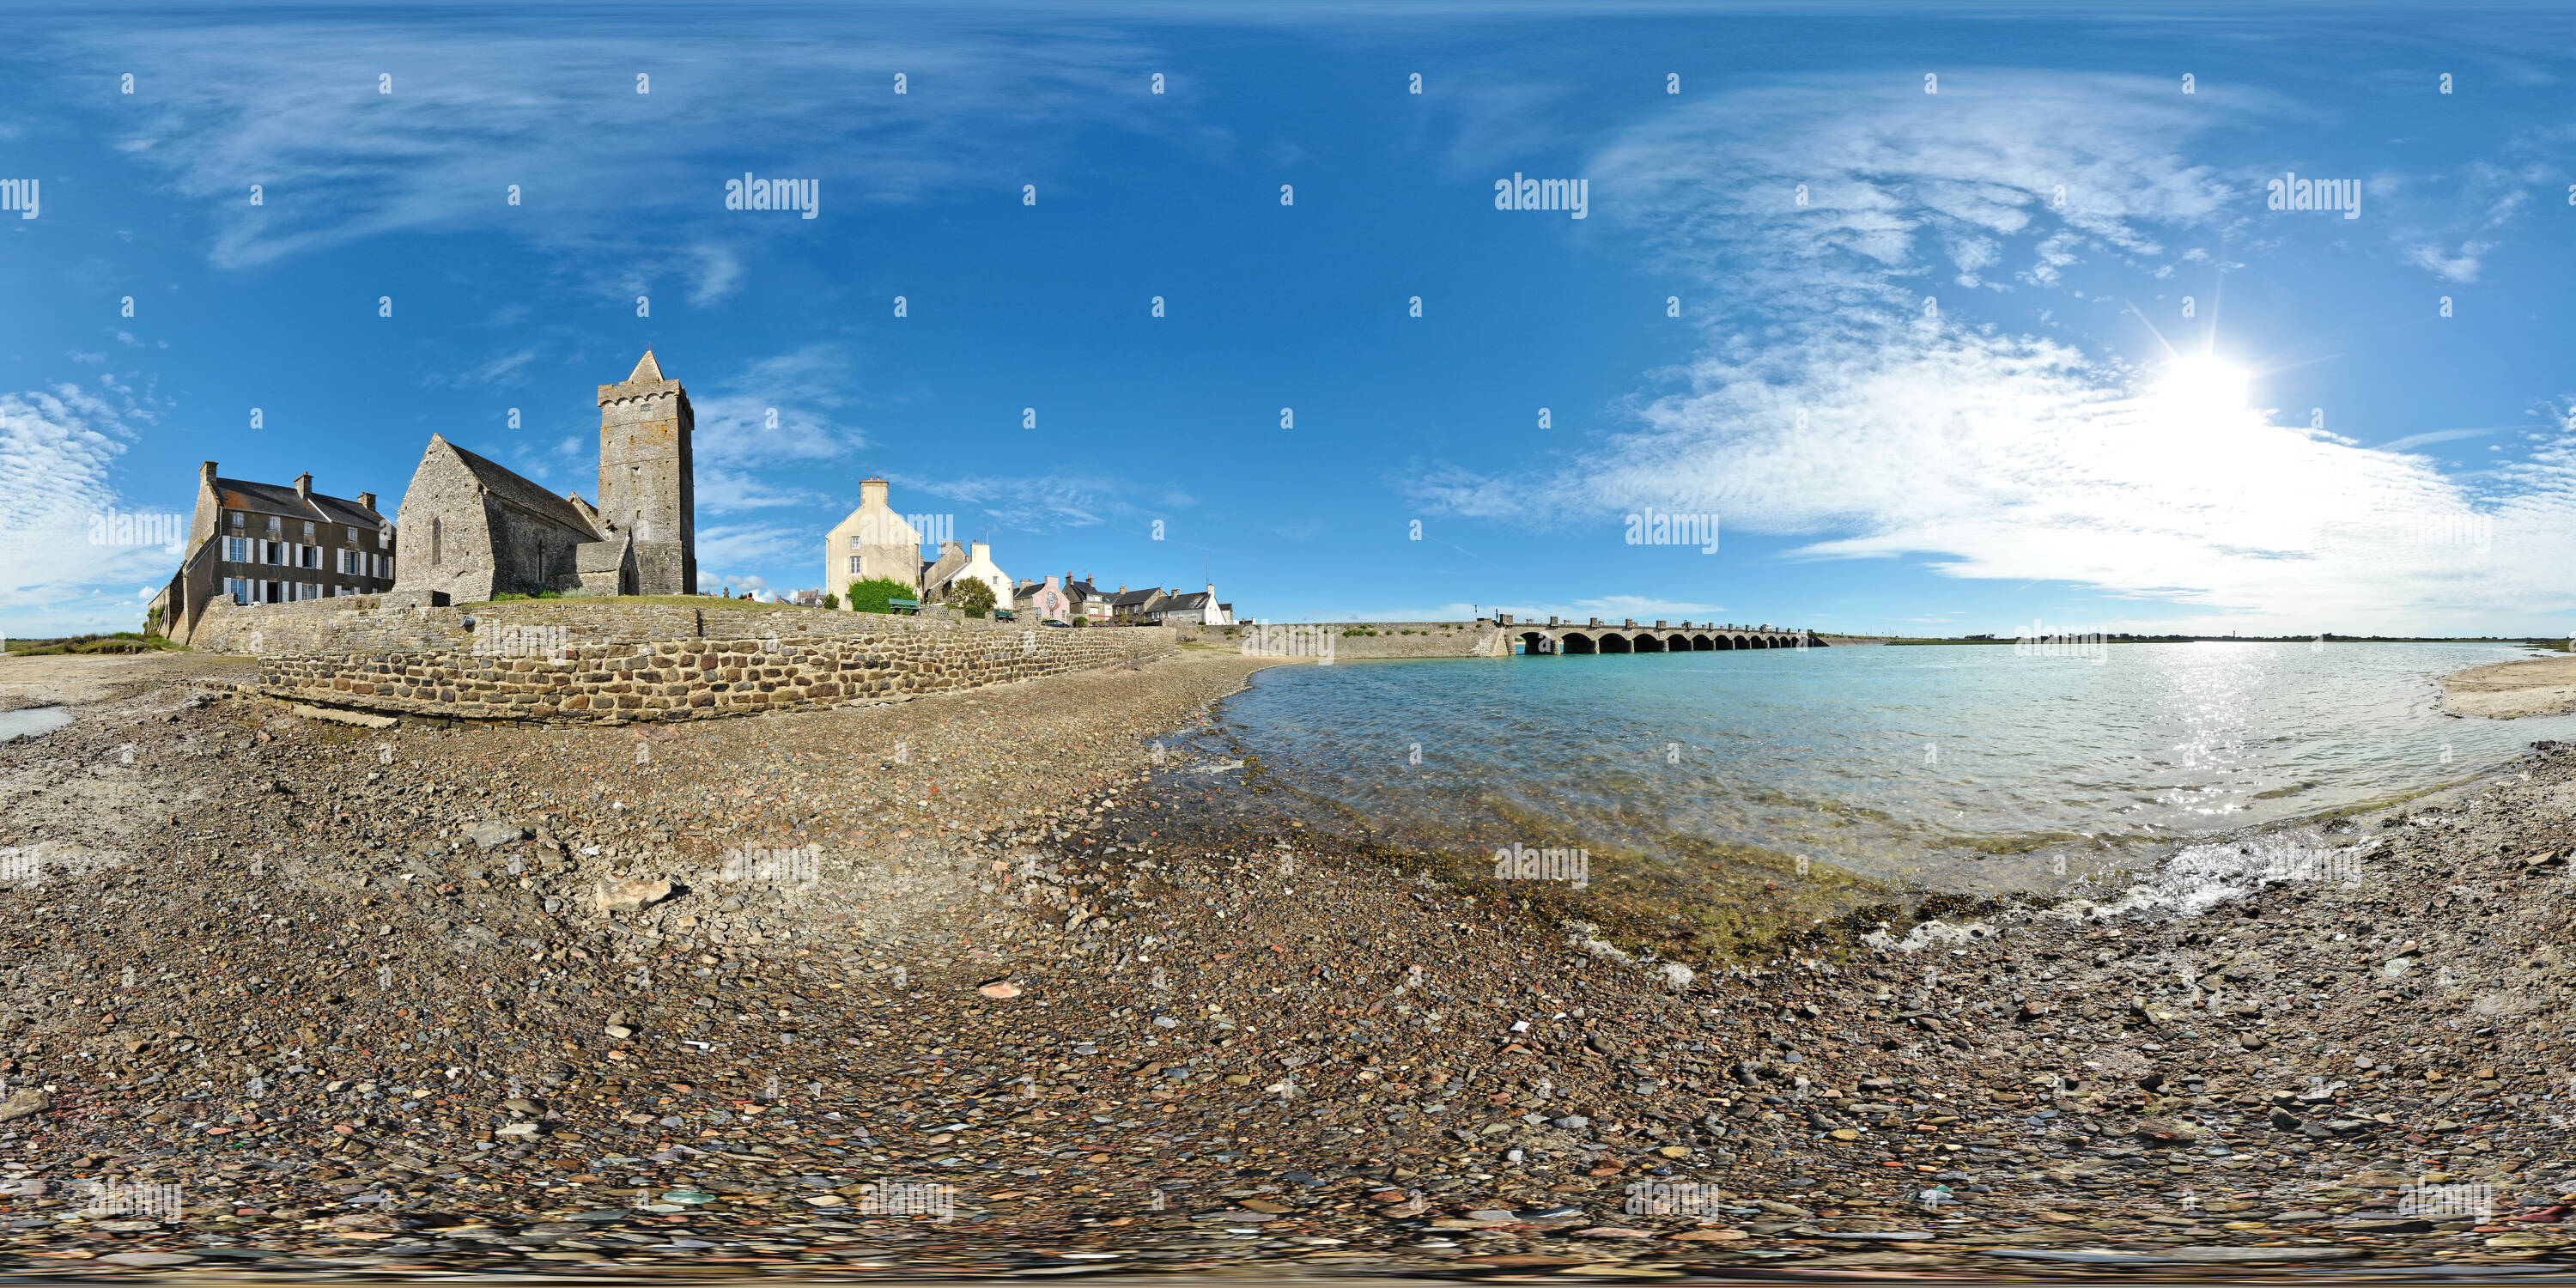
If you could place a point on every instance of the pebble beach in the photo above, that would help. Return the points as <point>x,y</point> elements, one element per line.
<point>1000,982</point>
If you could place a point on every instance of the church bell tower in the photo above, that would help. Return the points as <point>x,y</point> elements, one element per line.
<point>645,488</point>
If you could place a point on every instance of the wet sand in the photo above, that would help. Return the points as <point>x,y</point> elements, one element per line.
<point>2543,686</point>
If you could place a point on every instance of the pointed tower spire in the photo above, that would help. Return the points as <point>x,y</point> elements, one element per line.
<point>646,369</point>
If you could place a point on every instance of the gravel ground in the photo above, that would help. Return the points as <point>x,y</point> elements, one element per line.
<point>975,984</point>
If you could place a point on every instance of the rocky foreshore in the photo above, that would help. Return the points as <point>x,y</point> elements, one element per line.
<point>979,983</point>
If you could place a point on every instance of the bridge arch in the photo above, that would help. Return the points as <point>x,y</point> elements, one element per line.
<point>1645,642</point>
<point>1576,643</point>
<point>1613,642</point>
<point>1701,644</point>
<point>1534,643</point>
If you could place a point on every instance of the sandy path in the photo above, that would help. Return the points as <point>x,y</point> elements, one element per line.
<point>74,680</point>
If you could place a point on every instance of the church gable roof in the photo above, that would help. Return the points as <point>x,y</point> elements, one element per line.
<point>502,482</point>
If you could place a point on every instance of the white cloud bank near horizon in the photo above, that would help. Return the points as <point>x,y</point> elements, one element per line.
<point>1828,404</point>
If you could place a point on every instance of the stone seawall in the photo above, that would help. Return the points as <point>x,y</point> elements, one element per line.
<point>698,678</point>
<point>366,624</point>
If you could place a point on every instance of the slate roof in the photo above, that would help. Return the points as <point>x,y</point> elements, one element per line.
<point>952,561</point>
<point>601,556</point>
<point>270,498</point>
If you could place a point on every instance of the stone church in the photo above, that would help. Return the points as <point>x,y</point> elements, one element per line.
<point>482,530</point>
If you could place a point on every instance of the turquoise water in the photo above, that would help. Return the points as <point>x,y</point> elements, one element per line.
<point>1959,767</point>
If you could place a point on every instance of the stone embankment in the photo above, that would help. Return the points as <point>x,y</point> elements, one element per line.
<point>587,661</point>
<point>699,678</point>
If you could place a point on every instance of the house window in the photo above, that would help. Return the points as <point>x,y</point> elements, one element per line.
<point>236,549</point>
<point>854,542</point>
<point>854,561</point>
<point>237,518</point>
<point>275,526</point>
<point>308,530</point>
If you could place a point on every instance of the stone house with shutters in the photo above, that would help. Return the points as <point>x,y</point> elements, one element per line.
<point>270,543</point>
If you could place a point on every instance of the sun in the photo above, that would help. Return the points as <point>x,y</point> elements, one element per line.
<point>2203,383</point>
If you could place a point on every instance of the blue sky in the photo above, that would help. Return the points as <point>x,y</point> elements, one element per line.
<point>1936,397</point>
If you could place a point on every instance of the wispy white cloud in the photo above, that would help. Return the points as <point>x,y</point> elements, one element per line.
<point>58,453</point>
<point>782,409</point>
<point>1028,503</point>
<point>1834,404</point>
<point>2430,437</point>
<point>242,97</point>
<point>2451,266</point>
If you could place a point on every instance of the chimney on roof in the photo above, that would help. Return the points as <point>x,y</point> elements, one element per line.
<point>983,551</point>
<point>206,474</point>
<point>1211,591</point>
<point>367,501</point>
<point>872,492</point>
<point>304,486</point>
<point>1122,588</point>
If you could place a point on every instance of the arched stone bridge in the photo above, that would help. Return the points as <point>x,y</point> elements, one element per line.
<point>1559,637</point>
